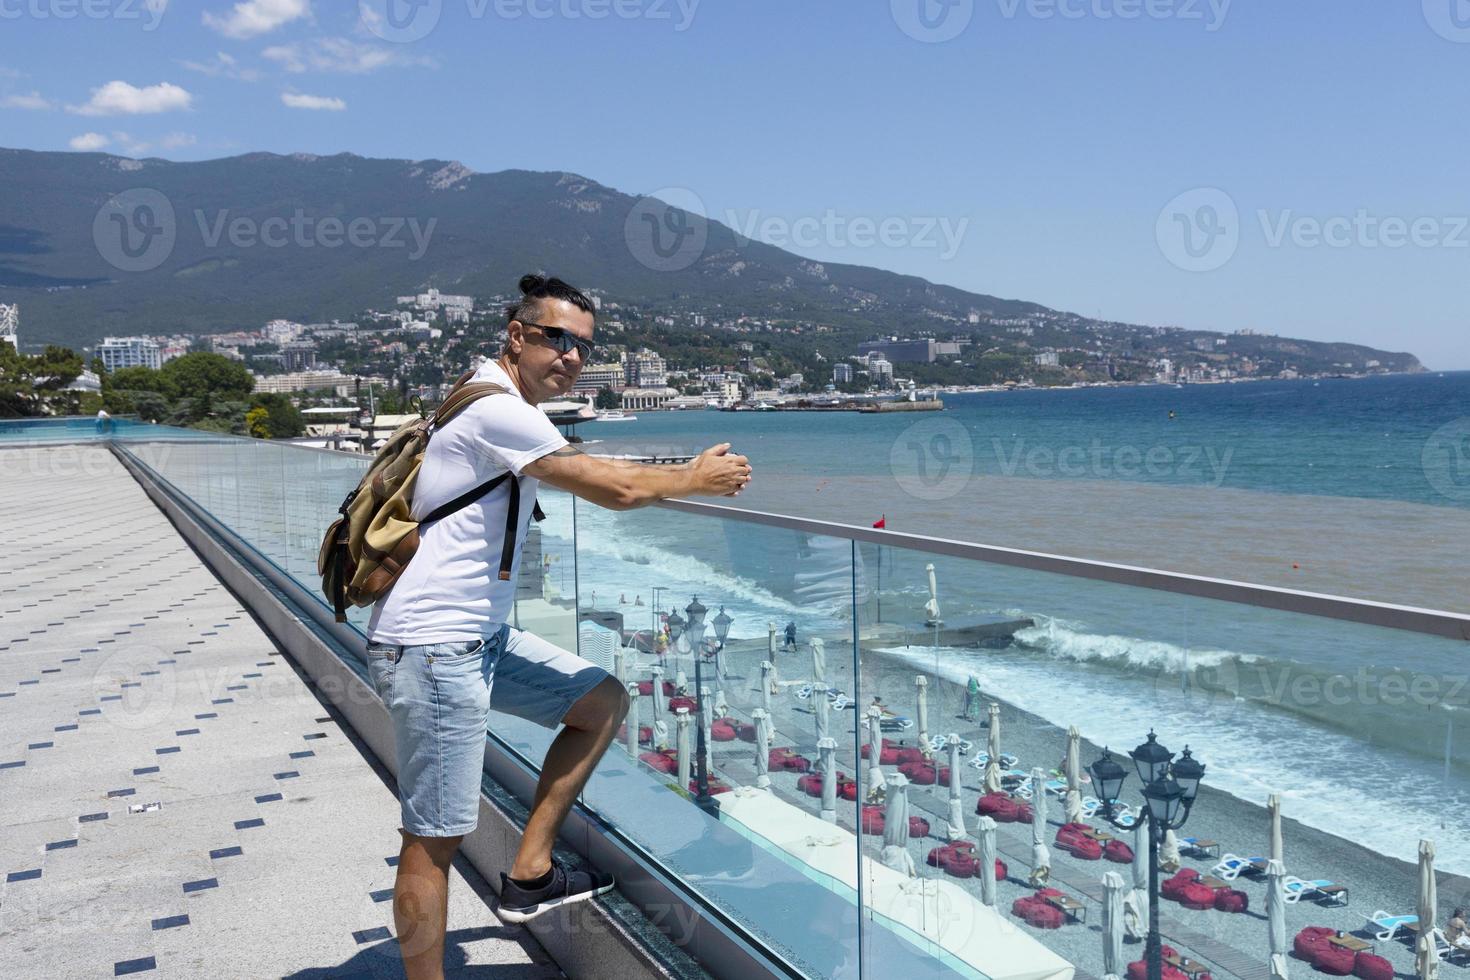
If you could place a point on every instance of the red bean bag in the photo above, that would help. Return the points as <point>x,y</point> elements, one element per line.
<point>1334,960</point>
<point>745,732</point>
<point>887,756</point>
<point>1197,897</point>
<point>1020,905</point>
<point>810,784</point>
<point>1309,940</point>
<point>682,702</point>
<point>645,688</point>
<point>1371,967</point>
<point>1049,893</point>
<point>1084,849</point>
<point>1024,813</point>
<point>914,756</point>
<point>1230,900</point>
<point>961,845</point>
<point>1043,916</point>
<point>715,787</point>
<point>942,775</point>
<point>1118,852</point>
<point>938,855</point>
<point>919,774</point>
<point>1001,871</point>
<point>847,790</point>
<point>777,758</point>
<point>723,731</point>
<point>797,763</point>
<point>997,806</point>
<point>872,819</point>
<point>1173,888</point>
<point>886,744</point>
<point>1139,971</point>
<point>918,827</point>
<point>645,733</point>
<point>961,865</point>
<point>661,761</point>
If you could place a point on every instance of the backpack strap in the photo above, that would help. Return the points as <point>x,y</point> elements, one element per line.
<point>465,499</point>
<point>461,396</point>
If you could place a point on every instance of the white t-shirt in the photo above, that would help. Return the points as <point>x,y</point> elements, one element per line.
<point>451,590</point>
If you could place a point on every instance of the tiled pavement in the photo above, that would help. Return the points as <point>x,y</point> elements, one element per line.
<point>173,799</point>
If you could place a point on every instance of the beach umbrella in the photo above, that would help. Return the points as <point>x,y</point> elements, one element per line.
<point>620,667</point>
<point>992,766</point>
<point>819,665</point>
<point>1040,855</point>
<point>768,676</point>
<point>1138,898</point>
<point>956,828</point>
<point>896,827</point>
<point>707,719</point>
<point>1276,917</point>
<point>827,760</point>
<point>632,721</point>
<point>931,608</point>
<point>986,834</point>
<point>681,721</point>
<point>875,752</point>
<point>1426,958</point>
<point>820,709</point>
<point>1074,776</point>
<point>681,681</point>
<point>922,684</point>
<point>1112,923</point>
<point>762,747</point>
<point>1273,807</point>
<point>770,641</point>
<point>660,727</point>
<point>1169,859</point>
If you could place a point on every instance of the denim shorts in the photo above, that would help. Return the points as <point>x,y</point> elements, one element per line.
<point>439,697</point>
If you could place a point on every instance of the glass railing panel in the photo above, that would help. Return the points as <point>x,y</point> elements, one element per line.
<point>1354,726</point>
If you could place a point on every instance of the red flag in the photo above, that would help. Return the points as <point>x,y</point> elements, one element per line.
<point>881,522</point>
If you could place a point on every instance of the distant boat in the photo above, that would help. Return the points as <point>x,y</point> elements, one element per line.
<point>616,416</point>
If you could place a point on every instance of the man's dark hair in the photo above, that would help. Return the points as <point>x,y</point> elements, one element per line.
<point>536,288</point>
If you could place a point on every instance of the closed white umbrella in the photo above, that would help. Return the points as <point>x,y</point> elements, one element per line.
<point>770,641</point>
<point>1137,899</point>
<point>956,823</point>
<point>875,752</point>
<point>931,608</point>
<point>660,727</point>
<point>707,719</point>
<point>819,712</point>
<point>1074,776</point>
<point>1273,807</point>
<point>681,725</point>
<point>986,834</point>
<point>1169,859</point>
<point>896,827</point>
<point>1040,854</point>
<point>1276,918</point>
<point>1426,959</point>
<point>827,760</point>
<point>992,766</point>
<point>762,747</point>
<point>632,721</point>
<point>819,665</point>
<point>921,683</point>
<point>681,681</point>
<point>1112,923</point>
<point>620,667</point>
<point>768,672</point>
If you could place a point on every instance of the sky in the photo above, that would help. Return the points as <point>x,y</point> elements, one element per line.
<point>1289,167</point>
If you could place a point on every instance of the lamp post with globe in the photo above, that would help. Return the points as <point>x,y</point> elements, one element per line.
<point>1169,790</point>
<point>702,798</point>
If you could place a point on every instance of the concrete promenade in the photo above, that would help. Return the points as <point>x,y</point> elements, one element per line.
<point>174,799</point>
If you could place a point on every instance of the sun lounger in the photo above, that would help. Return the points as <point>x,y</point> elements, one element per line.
<point>1447,950</point>
<point>1232,866</point>
<point>1319,890</point>
<point>1387,925</point>
<point>1200,846</point>
<point>983,759</point>
<point>940,743</point>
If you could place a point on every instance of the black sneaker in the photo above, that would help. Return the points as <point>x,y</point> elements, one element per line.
<point>519,904</point>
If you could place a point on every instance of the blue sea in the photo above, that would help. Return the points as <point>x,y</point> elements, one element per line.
<point>1355,486</point>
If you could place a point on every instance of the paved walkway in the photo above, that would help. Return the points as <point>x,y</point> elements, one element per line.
<point>174,801</point>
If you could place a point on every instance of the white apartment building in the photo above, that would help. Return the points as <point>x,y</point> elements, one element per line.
<point>644,399</point>
<point>10,325</point>
<point>302,381</point>
<point>644,369</point>
<point>125,352</point>
<point>841,374</point>
<point>1047,358</point>
<point>595,377</point>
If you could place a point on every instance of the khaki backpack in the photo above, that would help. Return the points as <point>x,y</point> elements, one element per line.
<point>368,547</point>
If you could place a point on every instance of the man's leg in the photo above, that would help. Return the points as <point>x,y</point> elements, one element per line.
<point>589,727</point>
<point>421,903</point>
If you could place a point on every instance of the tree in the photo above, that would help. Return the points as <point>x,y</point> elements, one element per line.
<point>257,423</point>
<point>34,384</point>
<point>200,373</point>
<point>607,398</point>
<point>282,420</point>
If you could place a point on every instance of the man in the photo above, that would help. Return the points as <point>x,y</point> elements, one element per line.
<point>1456,933</point>
<point>790,636</point>
<point>441,653</point>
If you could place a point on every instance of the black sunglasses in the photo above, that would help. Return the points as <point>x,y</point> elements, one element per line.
<point>563,339</point>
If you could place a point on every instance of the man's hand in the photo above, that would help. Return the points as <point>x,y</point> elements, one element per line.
<point>717,472</point>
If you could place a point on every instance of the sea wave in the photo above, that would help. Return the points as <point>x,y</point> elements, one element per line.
<point>1071,641</point>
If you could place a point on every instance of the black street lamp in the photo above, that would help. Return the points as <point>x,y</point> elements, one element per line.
<point>702,797</point>
<point>722,626</point>
<point>1169,792</point>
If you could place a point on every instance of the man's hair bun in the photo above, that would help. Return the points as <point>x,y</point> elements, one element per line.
<point>531,283</point>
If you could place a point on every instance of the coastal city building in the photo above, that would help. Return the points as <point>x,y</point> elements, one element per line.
<point>644,369</point>
<point>305,381</point>
<point>1046,359</point>
<point>125,352</point>
<point>842,374</point>
<point>595,377</point>
<point>921,351</point>
<point>10,325</point>
<point>643,399</point>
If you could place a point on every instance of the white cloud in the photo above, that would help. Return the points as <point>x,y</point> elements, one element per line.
<point>88,142</point>
<point>177,141</point>
<point>222,66</point>
<point>34,101</point>
<point>320,102</point>
<point>122,99</point>
<point>339,54</point>
<point>252,18</point>
<point>130,146</point>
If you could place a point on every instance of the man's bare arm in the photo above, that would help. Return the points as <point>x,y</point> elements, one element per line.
<point>625,485</point>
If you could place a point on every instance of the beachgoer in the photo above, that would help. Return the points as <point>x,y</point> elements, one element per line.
<point>790,636</point>
<point>1456,932</point>
<point>439,637</point>
<point>972,699</point>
